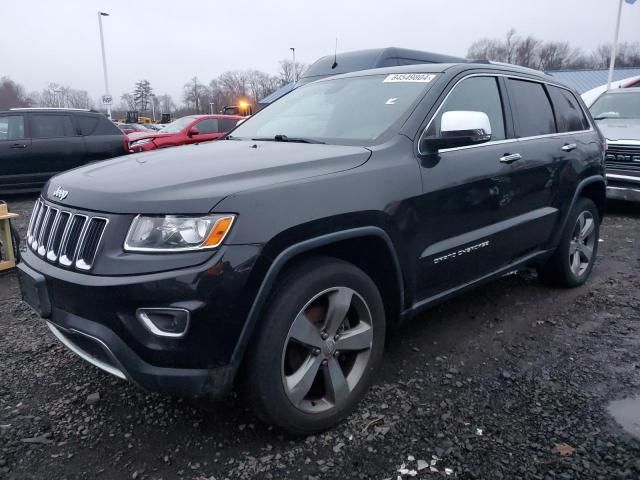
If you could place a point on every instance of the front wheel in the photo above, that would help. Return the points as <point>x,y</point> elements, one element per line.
<point>321,340</point>
<point>572,262</point>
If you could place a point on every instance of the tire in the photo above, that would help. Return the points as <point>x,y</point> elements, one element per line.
<point>276,386</point>
<point>579,241</point>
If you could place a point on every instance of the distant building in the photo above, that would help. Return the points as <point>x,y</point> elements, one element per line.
<point>589,78</point>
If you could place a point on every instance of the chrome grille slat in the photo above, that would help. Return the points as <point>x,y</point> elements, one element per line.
<point>47,226</point>
<point>57,236</point>
<point>34,214</point>
<point>71,239</point>
<point>88,248</point>
<point>68,252</point>
<point>624,158</point>
<point>40,233</point>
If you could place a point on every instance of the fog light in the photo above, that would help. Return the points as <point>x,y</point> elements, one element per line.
<point>165,322</point>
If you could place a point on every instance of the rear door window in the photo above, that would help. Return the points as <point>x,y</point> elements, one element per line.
<point>87,124</point>
<point>209,125</point>
<point>569,114</point>
<point>11,127</point>
<point>531,108</point>
<point>51,126</point>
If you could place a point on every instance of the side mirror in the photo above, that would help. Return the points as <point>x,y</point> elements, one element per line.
<point>193,131</point>
<point>459,129</point>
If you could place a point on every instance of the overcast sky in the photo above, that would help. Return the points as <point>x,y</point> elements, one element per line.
<point>170,41</point>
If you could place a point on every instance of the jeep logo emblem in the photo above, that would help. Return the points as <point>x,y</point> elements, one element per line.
<point>60,193</point>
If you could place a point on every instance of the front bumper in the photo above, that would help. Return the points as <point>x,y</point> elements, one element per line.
<point>95,316</point>
<point>623,187</point>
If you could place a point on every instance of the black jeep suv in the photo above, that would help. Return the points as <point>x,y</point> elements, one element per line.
<point>287,251</point>
<point>37,143</point>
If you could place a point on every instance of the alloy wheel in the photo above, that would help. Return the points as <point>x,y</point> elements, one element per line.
<point>582,243</point>
<point>327,350</point>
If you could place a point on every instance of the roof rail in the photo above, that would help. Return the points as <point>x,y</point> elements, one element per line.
<point>51,108</point>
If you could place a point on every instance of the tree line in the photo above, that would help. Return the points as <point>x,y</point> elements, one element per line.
<point>197,96</point>
<point>532,52</point>
<point>226,89</point>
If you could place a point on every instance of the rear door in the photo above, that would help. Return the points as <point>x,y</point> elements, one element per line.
<point>16,169</point>
<point>56,144</point>
<point>103,139</point>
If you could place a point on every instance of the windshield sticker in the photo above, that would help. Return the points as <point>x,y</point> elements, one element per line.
<point>410,77</point>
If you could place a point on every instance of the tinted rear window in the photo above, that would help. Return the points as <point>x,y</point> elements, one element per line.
<point>569,115</point>
<point>106,127</point>
<point>532,111</point>
<point>87,124</point>
<point>51,126</point>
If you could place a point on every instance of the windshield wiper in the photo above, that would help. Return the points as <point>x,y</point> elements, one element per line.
<point>284,138</point>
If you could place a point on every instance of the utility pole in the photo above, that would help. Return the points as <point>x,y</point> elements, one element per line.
<point>295,69</point>
<point>104,61</point>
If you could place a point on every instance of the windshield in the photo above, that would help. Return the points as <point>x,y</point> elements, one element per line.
<point>617,105</point>
<point>178,125</point>
<point>349,111</point>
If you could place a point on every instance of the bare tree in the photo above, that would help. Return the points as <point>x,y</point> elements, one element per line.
<point>553,55</point>
<point>290,72</point>
<point>12,95</point>
<point>128,102</point>
<point>192,94</point>
<point>526,52</point>
<point>165,103</point>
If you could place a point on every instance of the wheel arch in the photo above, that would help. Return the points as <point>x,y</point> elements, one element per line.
<point>593,187</point>
<point>341,244</point>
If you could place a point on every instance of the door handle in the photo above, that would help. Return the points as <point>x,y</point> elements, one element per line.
<point>569,146</point>
<point>510,157</point>
<point>18,145</point>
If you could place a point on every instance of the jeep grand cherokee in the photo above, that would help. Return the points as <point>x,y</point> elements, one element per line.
<point>289,250</point>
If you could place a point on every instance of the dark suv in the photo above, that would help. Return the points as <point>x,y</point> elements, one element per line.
<point>36,143</point>
<point>289,250</point>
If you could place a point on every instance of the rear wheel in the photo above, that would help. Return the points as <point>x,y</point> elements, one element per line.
<point>320,343</point>
<point>572,262</point>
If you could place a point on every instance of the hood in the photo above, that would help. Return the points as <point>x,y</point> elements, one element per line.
<point>139,135</point>
<point>620,129</point>
<point>194,178</point>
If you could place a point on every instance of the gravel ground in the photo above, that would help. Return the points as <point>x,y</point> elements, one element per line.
<point>510,381</point>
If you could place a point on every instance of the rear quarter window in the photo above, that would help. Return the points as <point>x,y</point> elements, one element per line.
<point>87,124</point>
<point>531,108</point>
<point>569,114</point>
<point>106,127</point>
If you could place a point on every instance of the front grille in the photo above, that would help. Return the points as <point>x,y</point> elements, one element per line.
<point>623,158</point>
<point>70,239</point>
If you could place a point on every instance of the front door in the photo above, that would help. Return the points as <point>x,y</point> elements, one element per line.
<point>467,193</point>
<point>15,149</point>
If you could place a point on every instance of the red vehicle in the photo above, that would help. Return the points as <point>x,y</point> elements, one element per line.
<point>132,127</point>
<point>185,130</point>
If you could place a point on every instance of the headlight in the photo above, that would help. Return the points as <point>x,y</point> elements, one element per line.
<point>142,141</point>
<point>176,233</point>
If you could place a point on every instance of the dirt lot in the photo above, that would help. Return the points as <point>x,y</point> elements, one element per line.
<point>511,381</point>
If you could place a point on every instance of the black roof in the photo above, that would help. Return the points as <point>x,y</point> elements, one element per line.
<point>372,58</point>
<point>442,67</point>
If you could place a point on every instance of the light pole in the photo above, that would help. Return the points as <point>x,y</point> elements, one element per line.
<point>211,104</point>
<point>153,106</point>
<point>295,70</point>
<point>614,47</point>
<point>58,96</point>
<point>104,61</point>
